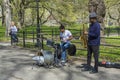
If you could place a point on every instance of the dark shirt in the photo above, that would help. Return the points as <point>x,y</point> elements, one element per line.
<point>94,34</point>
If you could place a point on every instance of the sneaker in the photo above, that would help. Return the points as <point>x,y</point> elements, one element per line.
<point>93,71</point>
<point>63,61</point>
<point>86,69</point>
<point>58,65</point>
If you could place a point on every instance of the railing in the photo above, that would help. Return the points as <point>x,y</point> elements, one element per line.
<point>30,36</point>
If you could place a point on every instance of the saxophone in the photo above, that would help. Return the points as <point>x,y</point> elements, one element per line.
<point>83,38</point>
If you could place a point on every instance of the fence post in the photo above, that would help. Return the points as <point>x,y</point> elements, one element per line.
<point>52,33</point>
<point>56,33</point>
<point>42,42</point>
<point>108,32</point>
<point>11,39</point>
<point>33,36</point>
<point>80,32</point>
<point>24,39</point>
<point>26,33</point>
<point>118,31</point>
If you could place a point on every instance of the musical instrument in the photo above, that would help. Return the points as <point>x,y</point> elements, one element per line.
<point>83,38</point>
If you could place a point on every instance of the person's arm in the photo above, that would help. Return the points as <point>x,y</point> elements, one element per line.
<point>70,38</point>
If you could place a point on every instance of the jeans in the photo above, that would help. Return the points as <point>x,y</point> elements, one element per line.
<point>64,47</point>
<point>14,37</point>
<point>95,51</point>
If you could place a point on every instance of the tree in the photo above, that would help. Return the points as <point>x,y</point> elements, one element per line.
<point>67,10</point>
<point>98,6</point>
<point>63,11</point>
<point>60,10</point>
<point>2,12</point>
<point>18,11</point>
<point>7,13</point>
<point>113,10</point>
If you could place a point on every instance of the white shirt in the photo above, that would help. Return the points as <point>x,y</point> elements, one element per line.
<point>13,29</point>
<point>65,35</point>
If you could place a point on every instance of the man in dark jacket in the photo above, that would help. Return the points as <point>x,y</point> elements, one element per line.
<point>93,43</point>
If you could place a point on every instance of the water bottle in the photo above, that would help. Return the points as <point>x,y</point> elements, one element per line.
<point>108,65</point>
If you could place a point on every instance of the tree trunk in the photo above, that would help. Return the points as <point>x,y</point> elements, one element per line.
<point>98,6</point>
<point>21,13</point>
<point>3,16</point>
<point>7,16</point>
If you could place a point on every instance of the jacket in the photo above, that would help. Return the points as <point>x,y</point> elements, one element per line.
<point>94,34</point>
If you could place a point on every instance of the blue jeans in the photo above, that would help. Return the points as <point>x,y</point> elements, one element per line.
<point>14,37</point>
<point>64,47</point>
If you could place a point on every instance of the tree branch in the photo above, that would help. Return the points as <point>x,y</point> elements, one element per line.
<point>111,15</point>
<point>46,19</point>
<point>50,11</point>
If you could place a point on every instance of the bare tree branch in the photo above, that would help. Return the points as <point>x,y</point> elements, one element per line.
<point>111,15</point>
<point>46,19</point>
<point>51,13</point>
<point>40,18</point>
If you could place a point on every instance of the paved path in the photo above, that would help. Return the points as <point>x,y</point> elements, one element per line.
<point>16,64</point>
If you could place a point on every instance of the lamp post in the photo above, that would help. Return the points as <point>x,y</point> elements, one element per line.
<point>38,24</point>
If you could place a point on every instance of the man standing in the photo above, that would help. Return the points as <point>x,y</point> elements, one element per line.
<point>65,37</point>
<point>93,43</point>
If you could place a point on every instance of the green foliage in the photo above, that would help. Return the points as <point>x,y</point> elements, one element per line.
<point>0,2</point>
<point>62,11</point>
<point>110,3</point>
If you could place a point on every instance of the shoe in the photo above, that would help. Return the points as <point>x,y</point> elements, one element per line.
<point>83,66</point>
<point>58,65</point>
<point>93,71</point>
<point>63,61</point>
<point>86,69</point>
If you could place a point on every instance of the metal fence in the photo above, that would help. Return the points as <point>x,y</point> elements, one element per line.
<point>28,37</point>
<point>112,31</point>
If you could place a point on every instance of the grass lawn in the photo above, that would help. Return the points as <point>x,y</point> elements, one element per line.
<point>3,38</point>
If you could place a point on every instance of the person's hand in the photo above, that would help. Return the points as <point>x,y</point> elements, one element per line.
<point>64,40</point>
<point>86,33</point>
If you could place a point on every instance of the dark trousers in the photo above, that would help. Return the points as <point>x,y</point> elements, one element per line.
<point>95,51</point>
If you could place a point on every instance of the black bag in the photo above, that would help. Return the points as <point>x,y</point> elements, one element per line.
<point>50,43</point>
<point>72,50</point>
<point>10,33</point>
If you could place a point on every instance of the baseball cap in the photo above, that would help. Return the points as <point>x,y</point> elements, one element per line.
<point>93,15</point>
